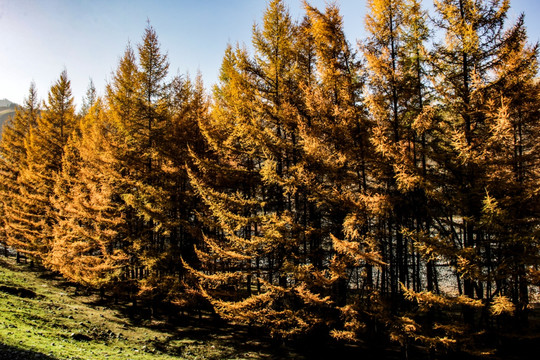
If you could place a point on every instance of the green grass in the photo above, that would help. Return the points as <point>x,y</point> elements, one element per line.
<point>61,325</point>
<point>43,317</point>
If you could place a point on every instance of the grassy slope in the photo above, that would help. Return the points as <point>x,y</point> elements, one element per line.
<point>42,318</point>
<point>60,325</point>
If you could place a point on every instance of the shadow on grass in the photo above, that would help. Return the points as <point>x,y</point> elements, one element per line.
<point>188,331</point>
<point>198,334</point>
<point>11,353</point>
<point>5,264</point>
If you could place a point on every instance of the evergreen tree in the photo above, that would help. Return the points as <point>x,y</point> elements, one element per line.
<point>89,98</point>
<point>33,216</point>
<point>12,160</point>
<point>256,212</point>
<point>89,234</point>
<point>473,33</point>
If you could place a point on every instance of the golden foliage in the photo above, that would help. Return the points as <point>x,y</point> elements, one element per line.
<point>502,305</point>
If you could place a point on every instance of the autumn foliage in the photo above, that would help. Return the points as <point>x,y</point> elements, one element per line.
<point>389,189</point>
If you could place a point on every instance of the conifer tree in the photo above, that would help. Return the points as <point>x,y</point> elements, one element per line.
<point>122,99</point>
<point>155,123</point>
<point>12,160</point>
<point>314,193</point>
<point>338,173</point>
<point>152,116</point>
<point>510,204</point>
<point>288,137</point>
<point>256,242</point>
<point>383,57</point>
<point>147,176</point>
<point>472,146</point>
<point>89,98</point>
<point>414,160</point>
<point>89,234</point>
<point>174,204</point>
<point>394,53</point>
<point>188,108</point>
<point>44,144</point>
<point>473,33</point>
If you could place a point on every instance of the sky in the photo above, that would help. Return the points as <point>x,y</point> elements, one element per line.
<point>40,38</point>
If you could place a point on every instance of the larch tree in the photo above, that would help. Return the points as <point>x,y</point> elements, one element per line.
<point>89,98</point>
<point>89,234</point>
<point>510,212</point>
<point>472,147</point>
<point>462,65</point>
<point>411,161</point>
<point>146,195</point>
<point>337,171</point>
<point>315,192</point>
<point>457,132</point>
<point>182,136</point>
<point>122,101</point>
<point>394,53</point>
<point>155,123</point>
<point>254,263</point>
<point>171,202</point>
<point>44,146</point>
<point>12,160</point>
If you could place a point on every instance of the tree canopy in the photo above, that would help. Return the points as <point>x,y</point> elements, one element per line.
<point>385,190</point>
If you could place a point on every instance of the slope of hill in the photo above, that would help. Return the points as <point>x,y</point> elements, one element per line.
<point>5,103</point>
<point>43,317</point>
<point>4,115</point>
<point>7,109</point>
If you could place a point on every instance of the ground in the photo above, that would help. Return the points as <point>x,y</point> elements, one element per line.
<point>45,317</point>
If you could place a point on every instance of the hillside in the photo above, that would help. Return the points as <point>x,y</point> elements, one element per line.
<point>5,103</point>
<point>7,109</point>
<point>44,317</point>
<point>4,115</point>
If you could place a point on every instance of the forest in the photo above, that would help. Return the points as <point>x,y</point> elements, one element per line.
<point>385,188</point>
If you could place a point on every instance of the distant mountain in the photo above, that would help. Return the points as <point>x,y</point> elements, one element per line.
<point>5,103</point>
<point>7,109</point>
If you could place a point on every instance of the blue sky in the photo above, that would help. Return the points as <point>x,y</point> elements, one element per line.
<point>39,38</point>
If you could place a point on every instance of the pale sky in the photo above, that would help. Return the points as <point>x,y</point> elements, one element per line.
<point>39,38</point>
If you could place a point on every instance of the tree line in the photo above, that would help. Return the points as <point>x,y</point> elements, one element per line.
<point>385,189</point>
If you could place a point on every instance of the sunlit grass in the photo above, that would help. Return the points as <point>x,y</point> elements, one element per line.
<point>61,325</point>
